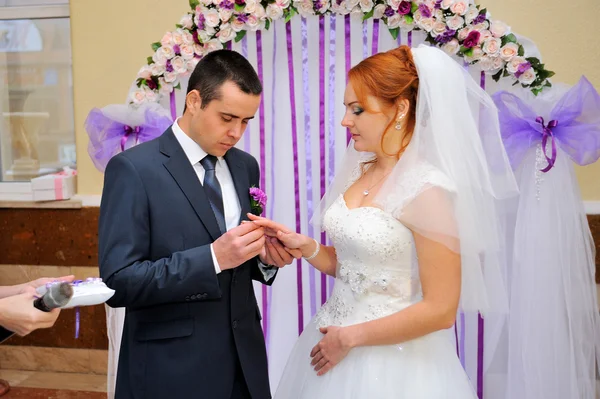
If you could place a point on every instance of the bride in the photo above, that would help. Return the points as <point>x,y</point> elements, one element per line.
<point>413,218</point>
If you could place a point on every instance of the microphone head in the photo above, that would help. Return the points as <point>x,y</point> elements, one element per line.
<point>58,295</point>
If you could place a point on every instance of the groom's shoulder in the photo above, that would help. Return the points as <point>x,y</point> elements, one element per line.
<point>243,156</point>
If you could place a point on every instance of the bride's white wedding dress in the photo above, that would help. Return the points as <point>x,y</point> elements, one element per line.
<point>377,275</point>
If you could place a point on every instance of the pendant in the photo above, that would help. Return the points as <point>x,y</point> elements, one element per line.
<point>366,192</point>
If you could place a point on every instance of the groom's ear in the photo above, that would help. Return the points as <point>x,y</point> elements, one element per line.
<point>193,101</point>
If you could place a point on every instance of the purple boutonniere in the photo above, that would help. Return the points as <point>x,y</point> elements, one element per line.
<point>258,200</point>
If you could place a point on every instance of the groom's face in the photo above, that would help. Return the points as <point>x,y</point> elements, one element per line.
<point>221,123</point>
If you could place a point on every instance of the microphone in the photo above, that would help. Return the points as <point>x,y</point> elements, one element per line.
<point>58,295</point>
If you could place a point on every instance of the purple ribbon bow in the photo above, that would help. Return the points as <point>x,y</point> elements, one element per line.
<point>578,133</point>
<point>109,136</point>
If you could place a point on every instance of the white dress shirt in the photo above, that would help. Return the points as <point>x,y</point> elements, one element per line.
<point>231,202</point>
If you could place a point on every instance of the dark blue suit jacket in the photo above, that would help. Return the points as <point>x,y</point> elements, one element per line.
<point>185,326</point>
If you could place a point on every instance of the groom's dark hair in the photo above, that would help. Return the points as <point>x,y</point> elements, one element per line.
<point>221,66</point>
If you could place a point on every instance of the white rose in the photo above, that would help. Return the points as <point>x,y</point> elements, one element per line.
<point>456,22</point>
<point>250,7</point>
<point>342,8</point>
<point>151,95</point>
<point>212,45</point>
<point>187,51</point>
<point>482,26</point>
<point>471,14</point>
<point>476,55</point>
<point>198,49</point>
<point>178,37</point>
<point>426,24</point>
<point>509,51</point>
<point>225,14</point>
<point>394,4</point>
<point>188,38</point>
<point>237,25</point>
<point>204,36</point>
<point>178,64</point>
<point>304,7</point>
<point>206,2</point>
<point>159,58</point>
<point>138,96</point>
<point>260,12</point>
<point>187,21</point>
<point>438,28</point>
<point>498,63</point>
<point>324,6</point>
<point>484,36</point>
<point>211,18</point>
<point>170,77</point>
<point>356,13</point>
<point>351,4</point>
<point>167,39</point>
<point>191,64</point>
<point>451,48</point>
<point>417,17</point>
<point>158,69</point>
<point>165,88</point>
<point>406,26</point>
<point>379,11</point>
<point>513,64</point>
<point>486,63</point>
<point>460,7</point>
<point>145,72</point>
<point>446,4</point>
<point>439,14</point>
<point>463,33</point>
<point>283,3</point>
<point>274,12</point>
<point>167,52</point>
<point>394,21</point>
<point>499,28</point>
<point>226,33</point>
<point>528,77</point>
<point>492,46</point>
<point>253,23</point>
<point>366,5</point>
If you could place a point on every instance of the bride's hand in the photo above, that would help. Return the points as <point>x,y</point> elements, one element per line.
<point>331,350</point>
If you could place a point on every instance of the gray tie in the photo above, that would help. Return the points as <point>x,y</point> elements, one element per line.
<point>212,188</point>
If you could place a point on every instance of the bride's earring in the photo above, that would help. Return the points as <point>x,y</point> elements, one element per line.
<point>399,123</point>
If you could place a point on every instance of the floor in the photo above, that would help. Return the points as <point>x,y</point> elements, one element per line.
<point>47,385</point>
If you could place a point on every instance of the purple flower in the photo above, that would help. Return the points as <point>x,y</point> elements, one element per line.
<point>242,18</point>
<point>472,40</point>
<point>438,5</point>
<point>201,20</point>
<point>446,37</point>
<point>195,36</point>
<point>389,11</point>
<point>240,2</point>
<point>522,69</point>
<point>258,197</point>
<point>151,84</point>
<point>176,49</point>
<point>169,67</point>
<point>479,19</point>
<point>404,8</point>
<point>227,4</point>
<point>425,11</point>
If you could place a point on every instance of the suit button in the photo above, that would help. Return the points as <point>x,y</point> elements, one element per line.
<point>233,279</point>
<point>234,324</point>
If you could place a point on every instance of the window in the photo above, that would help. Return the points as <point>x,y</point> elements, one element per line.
<point>37,133</point>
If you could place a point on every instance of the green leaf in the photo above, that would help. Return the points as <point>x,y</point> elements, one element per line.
<point>138,83</point>
<point>194,4</point>
<point>550,74</point>
<point>510,38</point>
<point>239,7</point>
<point>506,73</point>
<point>369,14</point>
<point>240,35</point>
<point>394,32</point>
<point>267,24</point>
<point>483,11</point>
<point>409,19</point>
<point>179,26</point>
<point>290,13</point>
<point>178,86</point>
<point>521,52</point>
<point>150,60</point>
<point>537,91</point>
<point>414,7</point>
<point>156,46</point>
<point>534,62</point>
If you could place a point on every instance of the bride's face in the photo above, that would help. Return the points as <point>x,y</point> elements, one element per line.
<point>366,127</point>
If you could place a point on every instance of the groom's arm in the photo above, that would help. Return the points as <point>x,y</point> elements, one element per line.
<point>124,249</point>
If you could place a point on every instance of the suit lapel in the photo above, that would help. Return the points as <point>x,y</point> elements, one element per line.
<point>239,174</point>
<point>182,171</point>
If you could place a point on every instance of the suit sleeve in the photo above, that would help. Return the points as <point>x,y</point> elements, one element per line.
<point>124,249</point>
<point>264,274</point>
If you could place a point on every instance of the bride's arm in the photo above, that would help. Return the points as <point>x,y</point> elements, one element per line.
<point>326,259</point>
<point>439,270</point>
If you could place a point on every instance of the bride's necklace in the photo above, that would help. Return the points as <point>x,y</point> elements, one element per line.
<point>366,192</point>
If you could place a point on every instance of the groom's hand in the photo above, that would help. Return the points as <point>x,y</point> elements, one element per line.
<point>238,245</point>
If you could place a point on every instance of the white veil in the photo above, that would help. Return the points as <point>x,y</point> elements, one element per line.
<point>453,184</point>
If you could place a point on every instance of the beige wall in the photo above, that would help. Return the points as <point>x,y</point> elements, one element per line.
<point>111,40</point>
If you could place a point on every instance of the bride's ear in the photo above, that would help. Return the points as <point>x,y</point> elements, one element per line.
<point>402,108</point>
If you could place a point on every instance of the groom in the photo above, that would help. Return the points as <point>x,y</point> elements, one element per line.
<point>172,247</point>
